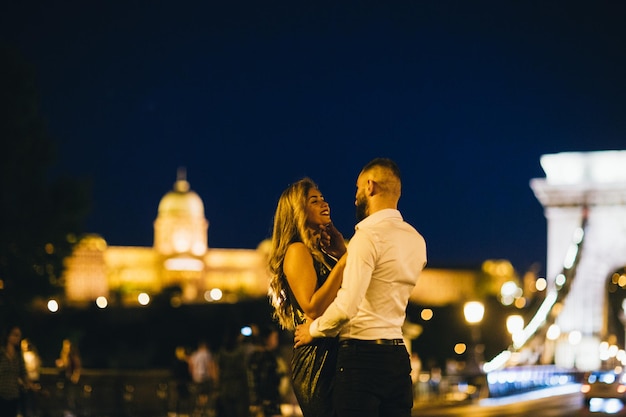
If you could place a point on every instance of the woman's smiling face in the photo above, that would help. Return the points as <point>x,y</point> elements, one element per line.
<point>317,209</point>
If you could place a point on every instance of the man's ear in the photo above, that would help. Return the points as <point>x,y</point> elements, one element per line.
<point>371,187</point>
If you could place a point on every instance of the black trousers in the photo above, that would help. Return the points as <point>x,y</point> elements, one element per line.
<point>373,381</point>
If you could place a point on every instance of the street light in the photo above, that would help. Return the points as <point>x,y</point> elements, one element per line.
<point>514,325</point>
<point>474,312</point>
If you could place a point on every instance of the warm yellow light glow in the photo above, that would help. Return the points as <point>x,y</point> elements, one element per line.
<point>498,267</point>
<point>510,292</point>
<point>179,258</point>
<point>182,241</point>
<point>553,332</point>
<point>102,302</point>
<point>53,306</point>
<point>541,284</point>
<point>514,323</point>
<point>474,311</point>
<point>198,248</point>
<point>515,326</point>
<point>615,278</point>
<point>423,377</point>
<point>176,301</point>
<point>507,301</point>
<point>520,302</point>
<point>509,288</point>
<point>427,314</point>
<point>143,299</point>
<point>460,348</point>
<point>184,264</point>
<point>216,294</point>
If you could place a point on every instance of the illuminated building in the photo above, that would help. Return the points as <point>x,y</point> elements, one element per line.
<point>180,263</point>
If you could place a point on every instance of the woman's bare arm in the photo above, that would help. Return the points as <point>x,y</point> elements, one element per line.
<point>302,278</point>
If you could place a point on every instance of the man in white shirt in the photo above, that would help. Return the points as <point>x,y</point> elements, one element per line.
<point>384,260</point>
<point>203,372</point>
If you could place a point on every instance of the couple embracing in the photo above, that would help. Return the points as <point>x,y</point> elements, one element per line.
<point>346,304</point>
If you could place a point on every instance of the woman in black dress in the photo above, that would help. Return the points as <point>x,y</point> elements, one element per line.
<point>306,264</point>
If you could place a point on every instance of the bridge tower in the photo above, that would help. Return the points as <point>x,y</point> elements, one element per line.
<point>583,188</point>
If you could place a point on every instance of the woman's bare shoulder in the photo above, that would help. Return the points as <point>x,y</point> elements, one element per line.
<point>297,254</point>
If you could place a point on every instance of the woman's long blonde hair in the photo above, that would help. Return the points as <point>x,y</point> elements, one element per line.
<point>289,227</point>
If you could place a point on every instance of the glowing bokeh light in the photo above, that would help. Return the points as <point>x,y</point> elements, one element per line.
<point>246,331</point>
<point>474,311</point>
<point>53,306</point>
<point>427,314</point>
<point>575,337</point>
<point>216,294</point>
<point>102,302</point>
<point>553,332</point>
<point>143,299</point>
<point>514,324</point>
<point>541,284</point>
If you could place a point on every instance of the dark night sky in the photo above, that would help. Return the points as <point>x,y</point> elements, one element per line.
<point>250,96</point>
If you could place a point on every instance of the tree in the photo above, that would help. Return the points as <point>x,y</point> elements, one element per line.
<point>40,214</point>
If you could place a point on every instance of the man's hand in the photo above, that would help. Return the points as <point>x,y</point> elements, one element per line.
<point>302,336</point>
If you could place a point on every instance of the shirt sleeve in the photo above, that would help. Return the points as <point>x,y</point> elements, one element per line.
<point>356,278</point>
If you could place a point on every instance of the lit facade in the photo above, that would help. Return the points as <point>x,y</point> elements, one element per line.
<point>180,263</point>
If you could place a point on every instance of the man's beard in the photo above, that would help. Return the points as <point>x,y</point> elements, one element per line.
<point>362,207</point>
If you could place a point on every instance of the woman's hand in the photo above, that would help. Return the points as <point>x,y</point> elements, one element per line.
<point>332,241</point>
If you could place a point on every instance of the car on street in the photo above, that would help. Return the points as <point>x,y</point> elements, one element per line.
<point>604,385</point>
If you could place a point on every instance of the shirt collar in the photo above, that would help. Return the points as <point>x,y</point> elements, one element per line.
<point>378,217</point>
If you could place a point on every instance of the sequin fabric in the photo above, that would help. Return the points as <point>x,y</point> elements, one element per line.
<point>313,366</point>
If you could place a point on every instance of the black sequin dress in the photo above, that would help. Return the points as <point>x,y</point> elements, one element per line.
<point>313,365</point>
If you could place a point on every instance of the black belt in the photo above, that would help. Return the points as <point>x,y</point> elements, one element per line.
<point>356,342</point>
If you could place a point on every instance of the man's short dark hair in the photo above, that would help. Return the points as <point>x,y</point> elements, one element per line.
<point>385,163</point>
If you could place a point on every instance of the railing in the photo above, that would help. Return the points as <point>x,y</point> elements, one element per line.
<point>105,393</point>
<point>123,393</point>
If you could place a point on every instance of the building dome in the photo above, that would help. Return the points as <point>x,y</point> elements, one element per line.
<point>180,226</point>
<point>92,242</point>
<point>181,202</point>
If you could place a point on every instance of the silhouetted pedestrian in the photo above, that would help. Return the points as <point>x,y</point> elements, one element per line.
<point>13,376</point>
<point>233,400</point>
<point>182,380</point>
<point>70,367</point>
<point>265,375</point>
